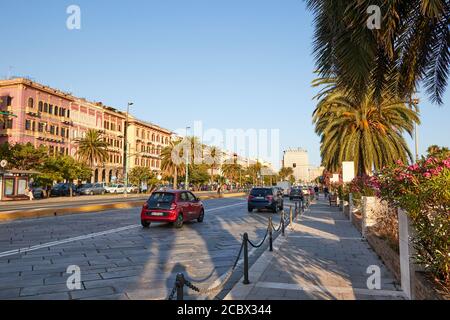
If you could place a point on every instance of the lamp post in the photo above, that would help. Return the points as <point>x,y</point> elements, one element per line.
<point>186,182</point>
<point>415,102</point>
<point>125,150</point>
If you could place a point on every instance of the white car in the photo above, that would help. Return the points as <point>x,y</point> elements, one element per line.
<point>115,188</point>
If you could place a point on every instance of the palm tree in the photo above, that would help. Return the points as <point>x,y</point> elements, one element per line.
<point>213,159</point>
<point>285,172</point>
<point>231,171</point>
<point>169,165</point>
<point>411,48</point>
<point>359,132</point>
<point>93,148</point>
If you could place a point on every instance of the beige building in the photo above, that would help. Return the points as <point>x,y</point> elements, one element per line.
<point>298,160</point>
<point>146,141</point>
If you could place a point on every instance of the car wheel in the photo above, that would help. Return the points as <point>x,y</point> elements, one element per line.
<point>201,217</point>
<point>179,223</point>
<point>145,224</point>
<point>250,209</point>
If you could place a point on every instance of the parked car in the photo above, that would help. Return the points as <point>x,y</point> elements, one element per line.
<point>265,198</point>
<point>115,188</point>
<point>91,189</point>
<point>132,189</point>
<point>296,194</point>
<point>173,206</point>
<point>63,190</point>
<point>38,193</point>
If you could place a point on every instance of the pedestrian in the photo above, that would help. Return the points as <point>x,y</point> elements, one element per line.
<point>29,192</point>
<point>326,191</point>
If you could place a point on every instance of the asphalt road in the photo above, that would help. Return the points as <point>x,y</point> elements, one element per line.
<point>118,259</point>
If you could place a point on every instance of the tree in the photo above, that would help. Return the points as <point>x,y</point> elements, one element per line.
<point>254,171</point>
<point>92,148</point>
<point>411,47</point>
<point>292,179</point>
<point>231,171</point>
<point>438,152</point>
<point>170,162</point>
<point>26,156</point>
<point>198,174</point>
<point>359,132</point>
<point>285,172</point>
<point>213,158</point>
<point>138,175</point>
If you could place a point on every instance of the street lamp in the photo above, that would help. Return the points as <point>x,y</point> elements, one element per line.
<point>415,102</point>
<point>186,182</point>
<point>125,150</point>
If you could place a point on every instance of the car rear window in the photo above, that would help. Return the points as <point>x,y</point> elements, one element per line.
<point>261,192</point>
<point>162,197</point>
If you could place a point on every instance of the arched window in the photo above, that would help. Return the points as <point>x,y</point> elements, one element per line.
<point>45,107</point>
<point>153,137</point>
<point>41,106</point>
<point>30,103</point>
<point>56,110</point>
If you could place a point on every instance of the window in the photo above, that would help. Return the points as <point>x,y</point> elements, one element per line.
<point>30,103</point>
<point>50,108</point>
<point>33,126</point>
<point>52,129</point>
<point>27,124</point>
<point>56,110</point>
<point>41,127</point>
<point>57,131</point>
<point>41,106</point>
<point>63,132</point>
<point>68,114</point>
<point>45,107</point>
<point>67,133</point>
<point>8,124</point>
<point>113,126</point>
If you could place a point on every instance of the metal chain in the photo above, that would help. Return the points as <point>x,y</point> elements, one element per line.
<point>203,291</point>
<point>262,242</point>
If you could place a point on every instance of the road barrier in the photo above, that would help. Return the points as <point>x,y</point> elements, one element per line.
<point>181,282</point>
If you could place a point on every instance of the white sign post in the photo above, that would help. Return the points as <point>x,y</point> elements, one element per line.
<point>348,171</point>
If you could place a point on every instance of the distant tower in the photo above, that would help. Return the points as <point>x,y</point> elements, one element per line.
<point>298,160</point>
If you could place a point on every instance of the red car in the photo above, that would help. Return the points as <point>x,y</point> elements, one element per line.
<point>173,206</point>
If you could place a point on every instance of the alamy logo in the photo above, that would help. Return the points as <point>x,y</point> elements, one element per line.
<point>374,20</point>
<point>374,281</point>
<point>74,280</point>
<point>73,21</point>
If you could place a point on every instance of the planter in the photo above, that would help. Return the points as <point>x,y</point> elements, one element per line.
<point>426,289</point>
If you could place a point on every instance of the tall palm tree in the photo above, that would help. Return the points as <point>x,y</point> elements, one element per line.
<point>411,48</point>
<point>285,172</point>
<point>93,148</point>
<point>169,165</point>
<point>213,159</point>
<point>357,131</point>
<point>231,171</point>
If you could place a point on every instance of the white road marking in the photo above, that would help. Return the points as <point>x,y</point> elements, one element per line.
<point>56,243</point>
<point>87,236</point>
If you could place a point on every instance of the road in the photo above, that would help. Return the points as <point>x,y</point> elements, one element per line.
<point>119,259</point>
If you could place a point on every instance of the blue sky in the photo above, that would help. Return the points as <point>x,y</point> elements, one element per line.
<point>229,63</point>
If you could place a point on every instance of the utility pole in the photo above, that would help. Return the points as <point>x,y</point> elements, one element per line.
<point>125,151</point>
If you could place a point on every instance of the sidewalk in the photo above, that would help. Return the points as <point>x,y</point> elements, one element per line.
<point>322,257</point>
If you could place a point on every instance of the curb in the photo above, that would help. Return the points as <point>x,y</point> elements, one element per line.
<point>14,215</point>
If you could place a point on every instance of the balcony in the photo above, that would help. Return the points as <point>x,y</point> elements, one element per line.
<point>34,112</point>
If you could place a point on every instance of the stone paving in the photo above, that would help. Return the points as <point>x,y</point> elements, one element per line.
<point>132,263</point>
<point>322,257</point>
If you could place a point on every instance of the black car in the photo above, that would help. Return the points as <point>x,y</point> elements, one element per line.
<point>265,198</point>
<point>63,190</point>
<point>296,194</point>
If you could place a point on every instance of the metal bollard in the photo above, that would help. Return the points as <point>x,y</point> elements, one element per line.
<point>270,234</point>
<point>282,223</point>
<point>180,286</point>
<point>246,280</point>
<point>296,207</point>
<point>291,218</point>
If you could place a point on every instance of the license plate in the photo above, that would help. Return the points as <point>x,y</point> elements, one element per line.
<point>157,214</point>
<point>259,198</point>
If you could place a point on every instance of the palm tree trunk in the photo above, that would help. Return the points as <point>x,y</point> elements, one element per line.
<point>175,178</point>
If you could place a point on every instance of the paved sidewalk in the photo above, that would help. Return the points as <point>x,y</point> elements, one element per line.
<point>321,257</point>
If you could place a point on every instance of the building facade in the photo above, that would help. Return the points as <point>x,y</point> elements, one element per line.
<point>56,119</point>
<point>298,160</point>
<point>146,142</point>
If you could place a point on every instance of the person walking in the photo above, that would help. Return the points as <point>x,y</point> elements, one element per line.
<point>29,192</point>
<point>326,191</point>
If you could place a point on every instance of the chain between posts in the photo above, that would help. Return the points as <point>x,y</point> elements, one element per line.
<point>181,282</point>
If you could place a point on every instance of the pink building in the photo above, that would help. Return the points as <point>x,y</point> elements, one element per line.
<point>42,115</point>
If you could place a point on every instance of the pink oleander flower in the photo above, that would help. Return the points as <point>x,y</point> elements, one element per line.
<point>446,163</point>
<point>427,175</point>
<point>414,167</point>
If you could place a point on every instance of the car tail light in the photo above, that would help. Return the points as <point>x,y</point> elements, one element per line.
<point>250,197</point>
<point>145,205</point>
<point>269,198</point>
<point>173,206</point>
